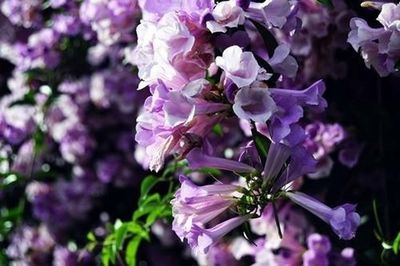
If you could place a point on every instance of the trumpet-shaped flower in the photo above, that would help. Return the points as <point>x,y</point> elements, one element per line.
<point>343,219</point>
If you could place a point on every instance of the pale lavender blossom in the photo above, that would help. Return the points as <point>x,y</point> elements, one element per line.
<point>30,246</point>
<point>254,103</point>
<point>196,205</point>
<point>273,13</point>
<point>174,49</point>
<point>290,107</point>
<point>112,20</point>
<point>171,116</point>
<point>318,248</point>
<point>226,14</point>
<point>67,24</point>
<point>201,239</point>
<point>25,13</point>
<point>240,67</point>
<point>379,47</point>
<point>40,51</point>
<point>343,219</point>
<point>16,121</point>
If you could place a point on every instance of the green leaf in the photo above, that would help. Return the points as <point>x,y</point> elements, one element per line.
<point>90,236</point>
<point>120,235</point>
<point>218,130</point>
<point>106,255</point>
<point>154,216</point>
<point>327,3</point>
<point>262,143</point>
<point>38,140</point>
<point>147,206</point>
<point>28,99</point>
<point>109,249</point>
<point>131,250</point>
<point>147,184</point>
<point>91,246</point>
<point>396,244</point>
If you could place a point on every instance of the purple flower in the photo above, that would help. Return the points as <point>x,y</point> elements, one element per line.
<point>290,105</point>
<point>254,103</point>
<point>226,14</point>
<point>301,163</point>
<point>107,91</point>
<point>361,33</point>
<point>199,204</point>
<point>319,243</point>
<point>390,16</point>
<point>380,47</point>
<point>30,246</point>
<point>25,13</point>
<point>350,154</point>
<point>162,124</point>
<point>322,139</point>
<point>240,67</point>
<point>282,62</point>
<point>77,145</point>
<point>16,121</point>
<point>343,219</point>
<point>197,159</point>
<point>313,258</point>
<point>64,257</point>
<point>40,51</point>
<point>201,239</point>
<point>66,24</point>
<point>113,20</point>
<point>108,168</point>
<point>272,13</point>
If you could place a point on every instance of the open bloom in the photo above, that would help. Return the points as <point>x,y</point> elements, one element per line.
<point>343,219</point>
<point>254,103</point>
<point>196,205</point>
<point>201,239</point>
<point>379,47</point>
<point>170,115</point>
<point>240,67</point>
<point>226,14</point>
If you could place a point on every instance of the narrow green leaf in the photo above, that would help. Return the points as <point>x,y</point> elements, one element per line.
<point>147,206</point>
<point>90,246</point>
<point>262,143</point>
<point>154,216</point>
<point>134,227</point>
<point>147,184</point>
<point>90,236</point>
<point>120,235</point>
<point>131,250</point>
<point>396,244</point>
<point>105,255</point>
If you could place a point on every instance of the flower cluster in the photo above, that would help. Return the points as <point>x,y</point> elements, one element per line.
<point>379,47</point>
<point>66,115</point>
<point>226,100</point>
<point>202,69</point>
